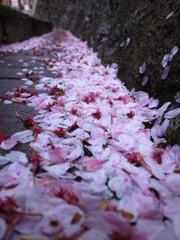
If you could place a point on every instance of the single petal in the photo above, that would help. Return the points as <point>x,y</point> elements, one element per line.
<point>173,113</point>
<point>8,144</point>
<point>16,156</point>
<point>2,228</point>
<point>24,136</point>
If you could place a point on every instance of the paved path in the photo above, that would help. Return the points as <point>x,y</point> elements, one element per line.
<point>13,68</point>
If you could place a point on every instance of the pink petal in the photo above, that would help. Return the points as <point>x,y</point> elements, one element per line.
<point>57,155</point>
<point>8,144</point>
<point>92,164</point>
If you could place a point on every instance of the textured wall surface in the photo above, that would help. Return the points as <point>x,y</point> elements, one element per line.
<point>1,31</point>
<point>128,33</point>
<point>16,26</point>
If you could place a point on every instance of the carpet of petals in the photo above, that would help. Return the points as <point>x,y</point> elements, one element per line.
<point>98,168</point>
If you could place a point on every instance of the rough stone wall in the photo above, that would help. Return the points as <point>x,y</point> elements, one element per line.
<point>1,32</point>
<point>16,26</point>
<point>129,33</point>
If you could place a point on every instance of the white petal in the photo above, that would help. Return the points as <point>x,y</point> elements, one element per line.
<point>23,137</point>
<point>8,144</point>
<point>58,169</point>
<point>16,156</point>
<point>161,110</point>
<point>2,228</point>
<point>173,113</point>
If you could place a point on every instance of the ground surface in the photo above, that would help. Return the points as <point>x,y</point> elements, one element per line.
<point>11,65</point>
<point>82,158</point>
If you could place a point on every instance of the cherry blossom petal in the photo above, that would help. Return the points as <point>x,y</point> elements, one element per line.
<point>23,137</point>
<point>173,113</point>
<point>2,228</point>
<point>13,174</point>
<point>57,155</point>
<point>58,169</point>
<point>16,156</point>
<point>94,233</point>
<point>8,144</point>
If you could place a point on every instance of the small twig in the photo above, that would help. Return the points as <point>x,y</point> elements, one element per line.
<point>17,115</point>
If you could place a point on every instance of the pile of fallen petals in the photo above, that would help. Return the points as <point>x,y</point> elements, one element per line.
<point>97,168</point>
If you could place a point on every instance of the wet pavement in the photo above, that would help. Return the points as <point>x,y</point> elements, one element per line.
<point>13,68</point>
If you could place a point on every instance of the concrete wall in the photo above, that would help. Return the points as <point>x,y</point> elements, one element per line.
<point>129,33</point>
<point>1,32</point>
<point>108,26</point>
<point>16,26</point>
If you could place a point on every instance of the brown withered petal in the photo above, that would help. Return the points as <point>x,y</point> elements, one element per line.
<point>77,217</point>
